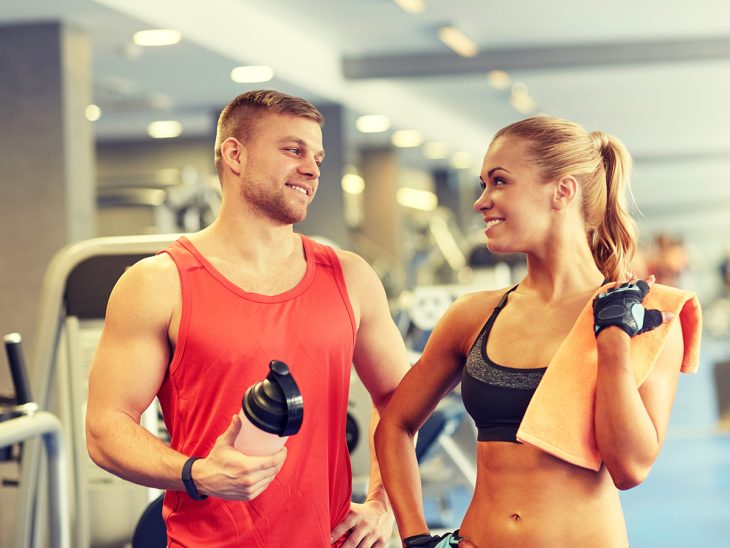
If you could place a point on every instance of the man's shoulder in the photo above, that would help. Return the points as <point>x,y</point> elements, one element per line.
<point>354,267</point>
<point>156,274</point>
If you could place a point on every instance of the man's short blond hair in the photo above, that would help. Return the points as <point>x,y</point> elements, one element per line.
<point>238,119</point>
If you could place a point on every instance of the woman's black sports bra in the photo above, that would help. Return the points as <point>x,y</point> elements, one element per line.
<point>494,395</point>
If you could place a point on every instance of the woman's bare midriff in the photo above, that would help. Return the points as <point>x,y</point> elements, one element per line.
<point>525,498</point>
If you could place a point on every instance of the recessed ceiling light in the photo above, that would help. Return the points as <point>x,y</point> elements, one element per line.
<point>461,160</point>
<point>416,199</point>
<point>157,37</point>
<point>435,150</point>
<point>458,41</point>
<point>411,6</point>
<point>372,123</point>
<point>92,113</point>
<point>519,89</point>
<point>499,79</point>
<point>407,138</point>
<point>164,129</point>
<point>352,183</point>
<point>520,99</point>
<point>252,74</point>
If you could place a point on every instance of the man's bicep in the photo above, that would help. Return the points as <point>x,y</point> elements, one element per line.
<point>133,353</point>
<point>380,354</point>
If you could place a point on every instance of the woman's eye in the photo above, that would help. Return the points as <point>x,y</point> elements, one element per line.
<point>482,184</point>
<point>499,181</point>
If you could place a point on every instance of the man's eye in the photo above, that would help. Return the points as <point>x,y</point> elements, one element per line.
<point>294,150</point>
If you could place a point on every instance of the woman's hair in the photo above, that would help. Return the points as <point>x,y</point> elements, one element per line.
<point>239,117</point>
<point>601,165</point>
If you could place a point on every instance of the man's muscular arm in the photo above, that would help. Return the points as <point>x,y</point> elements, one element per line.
<point>381,362</point>
<point>128,369</point>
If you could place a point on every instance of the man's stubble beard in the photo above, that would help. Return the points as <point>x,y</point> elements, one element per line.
<point>275,206</point>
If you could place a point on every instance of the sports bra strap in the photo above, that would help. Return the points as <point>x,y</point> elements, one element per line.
<point>503,300</point>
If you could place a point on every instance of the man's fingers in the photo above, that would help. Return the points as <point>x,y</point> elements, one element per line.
<point>343,527</point>
<point>229,436</point>
<point>257,488</point>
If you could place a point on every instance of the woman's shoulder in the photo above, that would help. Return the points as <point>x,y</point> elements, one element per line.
<point>471,310</point>
<point>480,300</point>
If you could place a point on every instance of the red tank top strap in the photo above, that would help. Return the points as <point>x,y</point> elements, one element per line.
<point>325,255</point>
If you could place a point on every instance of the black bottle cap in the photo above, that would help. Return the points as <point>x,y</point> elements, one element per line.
<point>275,404</point>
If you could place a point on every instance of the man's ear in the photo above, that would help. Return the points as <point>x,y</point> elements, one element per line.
<point>233,154</point>
<point>566,189</point>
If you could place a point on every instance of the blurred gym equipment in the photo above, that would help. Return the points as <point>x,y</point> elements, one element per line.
<point>103,508</point>
<point>23,422</point>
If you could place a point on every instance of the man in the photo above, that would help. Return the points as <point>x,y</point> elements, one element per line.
<point>199,323</point>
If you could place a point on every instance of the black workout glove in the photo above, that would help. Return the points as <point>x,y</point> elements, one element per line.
<point>424,540</point>
<point>621,306</point>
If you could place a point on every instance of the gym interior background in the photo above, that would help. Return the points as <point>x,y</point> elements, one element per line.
<point>84,153</point>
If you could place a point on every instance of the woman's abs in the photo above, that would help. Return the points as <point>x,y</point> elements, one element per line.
<point>527,498</point>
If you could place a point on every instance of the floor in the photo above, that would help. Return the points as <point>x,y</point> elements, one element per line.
<point>686,499</point>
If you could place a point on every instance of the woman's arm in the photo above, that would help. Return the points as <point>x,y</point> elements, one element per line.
<point>430,379</point>
<point>631,423</point>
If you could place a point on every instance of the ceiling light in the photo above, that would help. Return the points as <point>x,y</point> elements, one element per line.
<point>157,37</point>
<point>164,129</point>
<point>160,101</point>
<point>372,123</point>
<point>92,113</point>
<point>498,79</point>
<point>407,138</point>
<point>522,103</point>
<point>435,150</point>
<point>461,160</point>
<point>411,6</point>
<point>458,41</point>
<point>353,184</point>
<point>519,89</point>
<point>252,74</point>
<point>416,199</point>
<point>520,99</point>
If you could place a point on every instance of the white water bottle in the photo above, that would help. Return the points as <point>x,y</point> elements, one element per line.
<point>271,411</point>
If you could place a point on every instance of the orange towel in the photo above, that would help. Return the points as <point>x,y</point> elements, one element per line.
<point>560,417</point>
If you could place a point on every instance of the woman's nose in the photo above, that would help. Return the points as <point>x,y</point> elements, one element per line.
<point>484,202</point>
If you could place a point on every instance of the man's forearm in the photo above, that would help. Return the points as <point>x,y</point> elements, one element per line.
<point>376,489</point>
<point>126,449</point>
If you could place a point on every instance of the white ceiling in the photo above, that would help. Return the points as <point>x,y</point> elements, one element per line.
<point>656,73</point>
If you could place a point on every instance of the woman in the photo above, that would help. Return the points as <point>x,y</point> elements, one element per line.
<point>555,193</point>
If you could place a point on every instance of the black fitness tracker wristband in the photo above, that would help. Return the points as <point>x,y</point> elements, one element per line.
<point>187,478</point>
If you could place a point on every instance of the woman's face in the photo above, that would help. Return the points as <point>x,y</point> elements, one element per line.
<point>515,203</point>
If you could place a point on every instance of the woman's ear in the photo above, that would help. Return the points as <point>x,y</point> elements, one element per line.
<point>233,154</point>
<point>566,189</point>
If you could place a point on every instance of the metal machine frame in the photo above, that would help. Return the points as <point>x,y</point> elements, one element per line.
<point>87,268</point>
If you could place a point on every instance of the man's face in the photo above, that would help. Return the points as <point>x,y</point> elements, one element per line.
<point>281,171</point>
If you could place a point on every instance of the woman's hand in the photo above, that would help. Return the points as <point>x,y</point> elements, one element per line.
<point>621,306</point>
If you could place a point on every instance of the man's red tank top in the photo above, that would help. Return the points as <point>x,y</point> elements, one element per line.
<point>227,338</point>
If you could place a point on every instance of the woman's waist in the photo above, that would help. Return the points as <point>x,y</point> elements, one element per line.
<point>516,472</point>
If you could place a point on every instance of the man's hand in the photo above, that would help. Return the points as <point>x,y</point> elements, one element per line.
<point>367,525</point>
<point>227,473</point>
